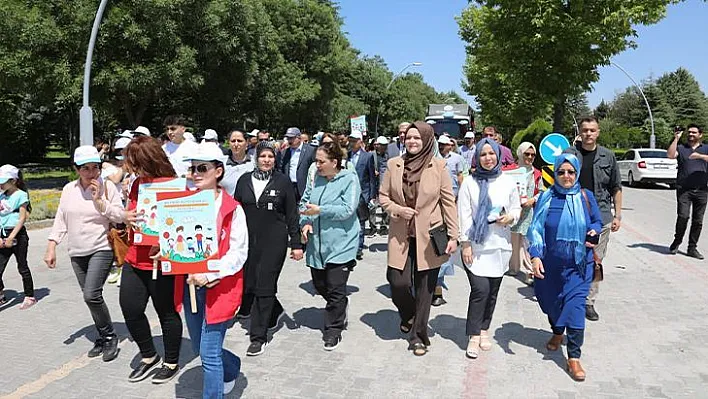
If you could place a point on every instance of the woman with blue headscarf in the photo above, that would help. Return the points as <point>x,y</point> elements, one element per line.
<point>488,204</point>
<point>564,219</point>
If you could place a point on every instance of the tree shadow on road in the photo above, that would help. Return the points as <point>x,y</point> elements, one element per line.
<point>451,328</point>
<point>385,323</point>
<point>14,298</point>
<point>190,382</point>
<point>385,290</point>
<point>533,338</point>
<point>308,287</point>
<point>660,249</point>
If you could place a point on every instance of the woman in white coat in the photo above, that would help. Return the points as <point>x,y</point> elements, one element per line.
<point>488,204</point>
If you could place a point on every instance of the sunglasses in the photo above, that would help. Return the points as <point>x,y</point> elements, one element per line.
<point>565,172</point>
<point>263,139</point>
<point>530,154</point>
<point>201,168</point>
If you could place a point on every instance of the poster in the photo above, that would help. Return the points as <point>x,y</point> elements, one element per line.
<point>149,228</point>
<point>359,123</point>
<point>521,178</point>
<point>188,240</point>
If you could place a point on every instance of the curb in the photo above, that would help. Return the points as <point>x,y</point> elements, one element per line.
<point>39,224</point>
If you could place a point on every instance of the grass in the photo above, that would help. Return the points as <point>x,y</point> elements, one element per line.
<point>44,204</point>
<point>49,174</point>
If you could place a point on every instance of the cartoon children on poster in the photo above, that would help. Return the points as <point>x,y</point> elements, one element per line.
<point>148,227</point>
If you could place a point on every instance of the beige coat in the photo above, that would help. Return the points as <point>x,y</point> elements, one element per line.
<point>435,204</point>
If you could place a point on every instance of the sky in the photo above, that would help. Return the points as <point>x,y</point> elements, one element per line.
<point>383,27</point>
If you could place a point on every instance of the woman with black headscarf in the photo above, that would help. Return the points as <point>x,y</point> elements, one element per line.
<point>270,204</point>
<point>417,193</point>
<point>488,205</point>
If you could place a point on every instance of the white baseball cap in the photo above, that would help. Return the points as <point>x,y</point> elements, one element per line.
<point>210,134</point>
<point>356,135</point>
<point>190,137</point>
<point>382,140</point>
<point>8,172</point>
<point>121,143</point>
<point>469,135</point>
<point>444,140</point>
<point>86,154</point>
<point>126,134</point>
<point>207,152</point>
<point>254,133</point>
<point>141,130</point>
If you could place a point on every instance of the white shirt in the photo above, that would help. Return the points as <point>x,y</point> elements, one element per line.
<point>294,160</point>
<point>503,193</point>
<point>176,154</point>
<point>355,157</point>
<point>258,186</point>
<point>233,260</point>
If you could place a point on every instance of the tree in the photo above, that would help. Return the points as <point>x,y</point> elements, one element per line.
<point>602,110</point>
<point>534,133</point>
<point>547,49</point>
<point>682,96</point>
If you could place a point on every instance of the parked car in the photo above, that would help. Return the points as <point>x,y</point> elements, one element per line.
<point>644,165</point>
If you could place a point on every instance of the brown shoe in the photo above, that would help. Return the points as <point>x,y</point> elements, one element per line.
<point>554,343</point>
<point>576,370</point>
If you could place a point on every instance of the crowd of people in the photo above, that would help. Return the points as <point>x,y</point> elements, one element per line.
<point>312,195</point>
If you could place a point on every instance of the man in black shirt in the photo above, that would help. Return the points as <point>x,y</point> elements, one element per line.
<point>691,187</point>
<point>599,173</point>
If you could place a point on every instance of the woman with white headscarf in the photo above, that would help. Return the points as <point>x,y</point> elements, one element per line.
<point>526,154</point>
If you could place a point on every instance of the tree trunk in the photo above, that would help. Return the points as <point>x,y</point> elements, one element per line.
<point>558,114</point>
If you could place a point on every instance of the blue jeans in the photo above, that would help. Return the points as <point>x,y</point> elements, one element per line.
<point>576,337</point>
<point>219,364</point>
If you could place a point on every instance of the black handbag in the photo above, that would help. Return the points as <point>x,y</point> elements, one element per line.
<point>598,273</point>
<point>439,239</point>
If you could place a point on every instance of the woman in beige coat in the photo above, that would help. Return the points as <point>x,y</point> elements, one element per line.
<point>417,193</point>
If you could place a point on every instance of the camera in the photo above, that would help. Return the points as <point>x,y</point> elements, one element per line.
<point>678,129</point>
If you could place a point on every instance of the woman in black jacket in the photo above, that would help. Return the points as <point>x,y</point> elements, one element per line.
<point>270,204</point>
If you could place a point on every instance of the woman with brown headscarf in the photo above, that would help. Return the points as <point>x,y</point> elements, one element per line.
<point>417,193</point>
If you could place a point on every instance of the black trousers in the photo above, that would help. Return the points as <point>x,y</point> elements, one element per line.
<point>136,287</point>
<point>695,198</point>
<point>413,302</point>
<point>19,250</point>
<point>331,283</point>
<point>483,300</point>
<point>264,310</point>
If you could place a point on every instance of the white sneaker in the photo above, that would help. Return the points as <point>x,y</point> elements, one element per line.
<point>229,386</point>
<point>473,347</point>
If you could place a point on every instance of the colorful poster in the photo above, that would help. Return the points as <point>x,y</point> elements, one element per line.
<point>358,123</point>
<point>188,237</point>
<point>521,178</point>
<point>148,227</point>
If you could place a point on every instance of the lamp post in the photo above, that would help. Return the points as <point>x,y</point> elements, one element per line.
<point>652,138</point>
<point>86,113</point>
<point>396,76</point>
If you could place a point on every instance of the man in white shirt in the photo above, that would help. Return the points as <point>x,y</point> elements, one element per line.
<point>297,158</point>
<point>398,148</point>
<point>178,147</point>
<point>467,150</point>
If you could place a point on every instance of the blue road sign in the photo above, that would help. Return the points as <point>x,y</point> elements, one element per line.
<point>551,146</point>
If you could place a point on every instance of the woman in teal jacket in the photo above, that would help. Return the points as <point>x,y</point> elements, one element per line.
<point>330,228</point>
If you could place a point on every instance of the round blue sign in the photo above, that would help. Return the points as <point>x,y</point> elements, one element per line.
<point>551,146</point>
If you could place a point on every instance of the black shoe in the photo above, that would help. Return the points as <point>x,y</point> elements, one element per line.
<point>110,349</point>
<point>591,314</point>
<point>275,320</point>
<point>256,348</point>
<point>165,374</point>
<point>143,370</point>
<point>693,253</point>
<point>673,248</point>
<point>97,348</point>
<point>438,300</point>
<point>360,255</point>
<point>331,344</point>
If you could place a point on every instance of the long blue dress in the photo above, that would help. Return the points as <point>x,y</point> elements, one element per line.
<point>561,294</point>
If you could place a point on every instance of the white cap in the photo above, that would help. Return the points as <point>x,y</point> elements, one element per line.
<point>469,135</point>
<point>444,140</point>
<point>126,134</point>
<point>382,140</point>
<point>207,152</point>
<point>254,133</point>
<point>190,137</point>
<point>356,135</point>
<point>8,172</point>
<point>142,130</point>
<point>210,134</point>
<point>121,143</point>
<point>86,154</point>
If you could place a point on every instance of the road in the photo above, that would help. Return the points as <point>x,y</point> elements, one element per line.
<point>649,342</point>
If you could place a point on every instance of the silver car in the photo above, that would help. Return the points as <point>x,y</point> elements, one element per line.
<point>644,165</point>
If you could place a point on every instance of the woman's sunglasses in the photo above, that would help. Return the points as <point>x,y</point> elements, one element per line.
<point>565,172</point>
<point>530,154</point>
<point>201,168</point>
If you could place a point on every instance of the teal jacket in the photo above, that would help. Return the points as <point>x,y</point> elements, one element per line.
<point>335,231</point>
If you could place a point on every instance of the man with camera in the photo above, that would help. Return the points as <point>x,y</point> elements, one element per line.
<point>691,187</point>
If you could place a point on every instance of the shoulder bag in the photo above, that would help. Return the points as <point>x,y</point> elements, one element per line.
<point>598,273</point>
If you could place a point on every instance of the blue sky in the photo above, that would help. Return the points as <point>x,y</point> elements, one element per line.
<point>384,27</point>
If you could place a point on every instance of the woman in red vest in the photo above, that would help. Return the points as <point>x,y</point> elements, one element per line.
<point>219,293</point>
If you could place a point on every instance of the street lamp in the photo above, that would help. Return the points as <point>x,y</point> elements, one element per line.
<point>86,113</point>
<point>396,76</point>
<point>652,138</point>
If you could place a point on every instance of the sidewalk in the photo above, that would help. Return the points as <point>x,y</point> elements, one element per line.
<point>649,341</point>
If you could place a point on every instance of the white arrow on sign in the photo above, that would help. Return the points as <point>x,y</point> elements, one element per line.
<point>556,150</point>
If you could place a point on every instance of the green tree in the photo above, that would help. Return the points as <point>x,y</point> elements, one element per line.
<point>534,133</point>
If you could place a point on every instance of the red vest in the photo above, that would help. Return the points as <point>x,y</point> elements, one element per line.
<point>223,299</point>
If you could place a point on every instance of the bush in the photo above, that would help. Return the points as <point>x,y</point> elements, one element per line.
<point>534,133</point>
<point>44,204</point>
